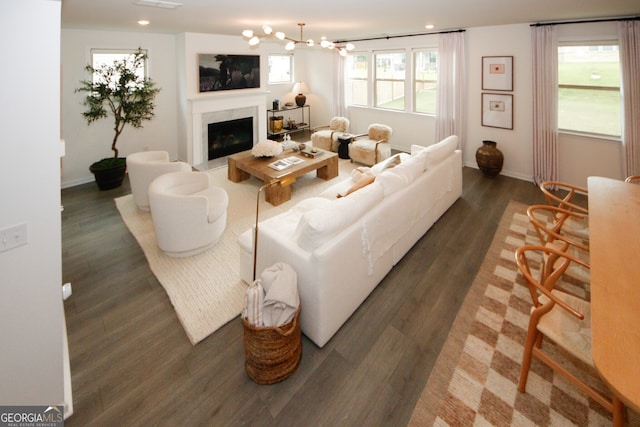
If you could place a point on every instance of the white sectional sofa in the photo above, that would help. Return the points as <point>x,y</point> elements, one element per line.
<point>341,248</point>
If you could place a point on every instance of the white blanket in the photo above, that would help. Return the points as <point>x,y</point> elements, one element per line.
<point>254,304</point>
<point>272,300</point>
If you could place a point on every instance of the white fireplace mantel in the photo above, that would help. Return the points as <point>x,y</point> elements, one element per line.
<point>202,106</point>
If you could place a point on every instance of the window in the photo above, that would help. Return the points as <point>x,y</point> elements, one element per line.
<point>357,71</point>
<point>589,88</point>
<point>101,57</point>
<point>426,80</point>
<point>390,74</point>
<point>280,68</point>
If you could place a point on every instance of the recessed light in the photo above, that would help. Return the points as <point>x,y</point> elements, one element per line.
<point>429,26</point>
<point>158,3</point>
<point>143,22</point>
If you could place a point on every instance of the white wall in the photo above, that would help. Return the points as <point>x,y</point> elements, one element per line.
<point>510,40</point>
<point>408,128</point>
<point>411,128</point>
<point>315,66</point>
<point>190,46</point>
<point>311,65</point>
<point>579,156</point>
<point>87,144</point>
<point>174,67</point>
<point>31,313</point>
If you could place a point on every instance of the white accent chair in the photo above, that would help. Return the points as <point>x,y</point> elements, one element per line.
<point>189,214</point>
<point>326,137</point>
<point>144,167</point>
<point>373,147</point>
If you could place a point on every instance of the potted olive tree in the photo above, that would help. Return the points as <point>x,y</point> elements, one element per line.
<point>117,90</point>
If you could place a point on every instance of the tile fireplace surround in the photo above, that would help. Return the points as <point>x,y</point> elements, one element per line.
<point>218,108</point>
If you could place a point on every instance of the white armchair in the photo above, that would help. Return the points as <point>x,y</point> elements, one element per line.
<point>371,147</point>
<point>326,137</point>
<point>146,166</point>
<point>189,214</point>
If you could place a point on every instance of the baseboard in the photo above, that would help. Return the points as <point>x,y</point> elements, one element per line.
<point>503,172</point>
<point>79,181</point>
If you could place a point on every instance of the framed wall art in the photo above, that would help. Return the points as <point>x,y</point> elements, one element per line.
<point>497,110</point>
<point>497,73</point>
<point>227,72</point>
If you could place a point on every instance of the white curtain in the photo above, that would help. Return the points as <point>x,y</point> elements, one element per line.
<point>451,94</point>
<point>545,103</point>
<point>629,37</point>
<point>340,100</point>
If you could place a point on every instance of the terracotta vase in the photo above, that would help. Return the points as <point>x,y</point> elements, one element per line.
<point>489,158</point>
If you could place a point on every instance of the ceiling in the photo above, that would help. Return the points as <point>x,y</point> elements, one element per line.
<point>335,19</point>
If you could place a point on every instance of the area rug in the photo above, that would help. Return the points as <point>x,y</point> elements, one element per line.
<point>205,289</point>
<point>474,381</point>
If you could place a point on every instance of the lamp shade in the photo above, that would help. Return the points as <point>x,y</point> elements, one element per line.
<point>300,88</point>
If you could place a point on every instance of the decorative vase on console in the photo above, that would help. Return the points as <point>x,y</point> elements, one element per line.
<point>300,88</point>
<point>489,158</point>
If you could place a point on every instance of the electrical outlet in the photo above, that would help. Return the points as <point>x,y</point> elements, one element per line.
<point>12,237</point>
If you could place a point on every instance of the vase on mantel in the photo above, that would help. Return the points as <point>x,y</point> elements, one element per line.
<point>489,158</point>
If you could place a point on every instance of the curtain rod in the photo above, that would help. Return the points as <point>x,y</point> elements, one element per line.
<point>586,21</point>
<point>399,36</point>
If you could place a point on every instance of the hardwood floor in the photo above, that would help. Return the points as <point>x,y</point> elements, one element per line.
<point>132,363</point>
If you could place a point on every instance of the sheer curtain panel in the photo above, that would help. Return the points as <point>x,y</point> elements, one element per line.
<point>339,95</point>
<point>629,35</point>
<point>545,103</point>
<point>451,95</point>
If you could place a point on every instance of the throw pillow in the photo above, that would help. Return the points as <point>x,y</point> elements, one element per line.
<point>392,161</point>
<point>441,150</point>
<point>363,180</point>
<point>318,226</point>
<point>415,149</point>
<point>357,172</point>
<point>411,169</point>
<point>391,182</point>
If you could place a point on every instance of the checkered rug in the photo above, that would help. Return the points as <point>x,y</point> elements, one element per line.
<point>475,378</point>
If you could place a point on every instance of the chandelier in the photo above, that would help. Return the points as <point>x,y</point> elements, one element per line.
<point>255,39</point>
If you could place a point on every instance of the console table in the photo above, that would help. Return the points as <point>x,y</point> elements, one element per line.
<point>289,113</point>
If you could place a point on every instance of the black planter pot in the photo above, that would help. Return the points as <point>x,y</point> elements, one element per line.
<point>489,158</point>
<point>109,173</point>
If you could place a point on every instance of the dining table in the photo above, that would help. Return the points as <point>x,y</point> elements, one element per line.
<point>614,245</point>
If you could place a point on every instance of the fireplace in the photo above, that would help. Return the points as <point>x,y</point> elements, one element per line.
<point>219,109</point>
<point>229,137</point>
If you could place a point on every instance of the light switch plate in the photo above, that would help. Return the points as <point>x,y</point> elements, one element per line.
<point>12,237</point>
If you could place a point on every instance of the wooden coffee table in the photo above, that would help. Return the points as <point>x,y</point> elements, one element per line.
<point>243,165</point>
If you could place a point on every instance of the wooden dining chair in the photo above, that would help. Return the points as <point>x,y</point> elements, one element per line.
<point>551,188</point>
<point>549,224</point>
<point>633,179</point>
<point>560,318</point>
<point>562,195</point>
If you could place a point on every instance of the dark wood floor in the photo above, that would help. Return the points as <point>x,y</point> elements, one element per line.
<point>132,363</point>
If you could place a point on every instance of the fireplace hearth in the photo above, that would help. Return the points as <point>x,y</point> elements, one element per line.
<point>245,109</point>
<point>229,137</point>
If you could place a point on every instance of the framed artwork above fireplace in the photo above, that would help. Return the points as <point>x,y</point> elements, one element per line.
<point>228,72</point>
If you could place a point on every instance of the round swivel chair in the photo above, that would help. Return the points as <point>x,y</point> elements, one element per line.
<point>189,214</point>
<point>144,167</point>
